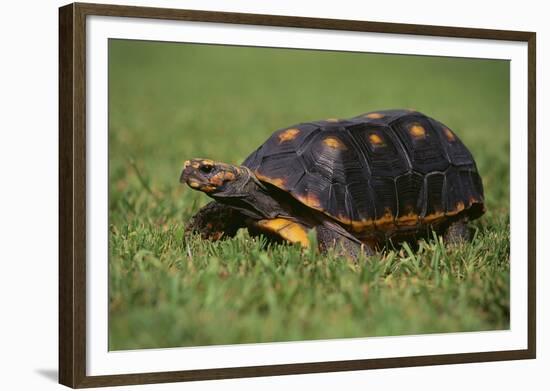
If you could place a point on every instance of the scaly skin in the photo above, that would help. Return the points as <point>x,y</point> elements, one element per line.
<point>457,232</point>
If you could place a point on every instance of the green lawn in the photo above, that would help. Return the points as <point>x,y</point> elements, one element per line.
<point>172,102</point>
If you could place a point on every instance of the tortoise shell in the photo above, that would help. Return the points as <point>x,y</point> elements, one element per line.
<point>385,171</point>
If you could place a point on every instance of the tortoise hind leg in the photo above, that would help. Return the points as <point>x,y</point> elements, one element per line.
<point>215,221</point>
<point>457,232</point>
<point>330,237</point>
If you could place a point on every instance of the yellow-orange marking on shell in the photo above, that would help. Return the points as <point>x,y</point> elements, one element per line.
<point>332,120</point>
<point>334,143</point>
<point>375,139</point>
<point>194,184</point>
<point>375,115</point>
<point>195,165</point>
<point>459,207</point>
<point>474,200</point>
<point>385,221</point>
<point>450,135</point>
<point>410,218</point>
<point>279,182</point>
<point>361,225</point>
<point>343,219</point>
<point>289,134</point>
<point>310,200</point>
<point>417,131</point>
<point>437,215</point>
<point>288,230</point>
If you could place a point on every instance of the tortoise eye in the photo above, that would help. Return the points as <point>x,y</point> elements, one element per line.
<point>206,168</point>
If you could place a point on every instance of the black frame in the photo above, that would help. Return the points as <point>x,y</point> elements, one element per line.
<point>72,194</point>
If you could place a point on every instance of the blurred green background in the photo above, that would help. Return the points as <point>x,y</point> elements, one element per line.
<point>169,102</point>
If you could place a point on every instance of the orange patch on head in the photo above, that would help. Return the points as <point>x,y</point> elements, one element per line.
<point>450,135</point>
<point>376,140</point>
<point>417,131</point>
<point>220,178</point>
<point>289,134</point>
<point>207,188</point>
<point>217,179</point>
<point>334,143</point>
<point>375,115</point>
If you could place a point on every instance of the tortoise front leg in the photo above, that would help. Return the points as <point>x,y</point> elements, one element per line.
<point>215,221</point>
<point>332,237</point>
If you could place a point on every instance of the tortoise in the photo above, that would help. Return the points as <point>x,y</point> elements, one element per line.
<point>358,184</point>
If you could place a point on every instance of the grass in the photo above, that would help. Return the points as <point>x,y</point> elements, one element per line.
<point>171,102</point>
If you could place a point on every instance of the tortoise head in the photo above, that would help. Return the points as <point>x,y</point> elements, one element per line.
<point>210,177</point>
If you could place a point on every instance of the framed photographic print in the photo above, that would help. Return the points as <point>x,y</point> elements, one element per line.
<point>252,195</point>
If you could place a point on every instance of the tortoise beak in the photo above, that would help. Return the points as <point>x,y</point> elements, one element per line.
<point>186,172</point>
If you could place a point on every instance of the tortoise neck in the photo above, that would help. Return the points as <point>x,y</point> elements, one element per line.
<point>252,197</point>
<point>250,180</point>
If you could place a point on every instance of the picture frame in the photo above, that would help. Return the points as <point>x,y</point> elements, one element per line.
<point>75,160</point>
